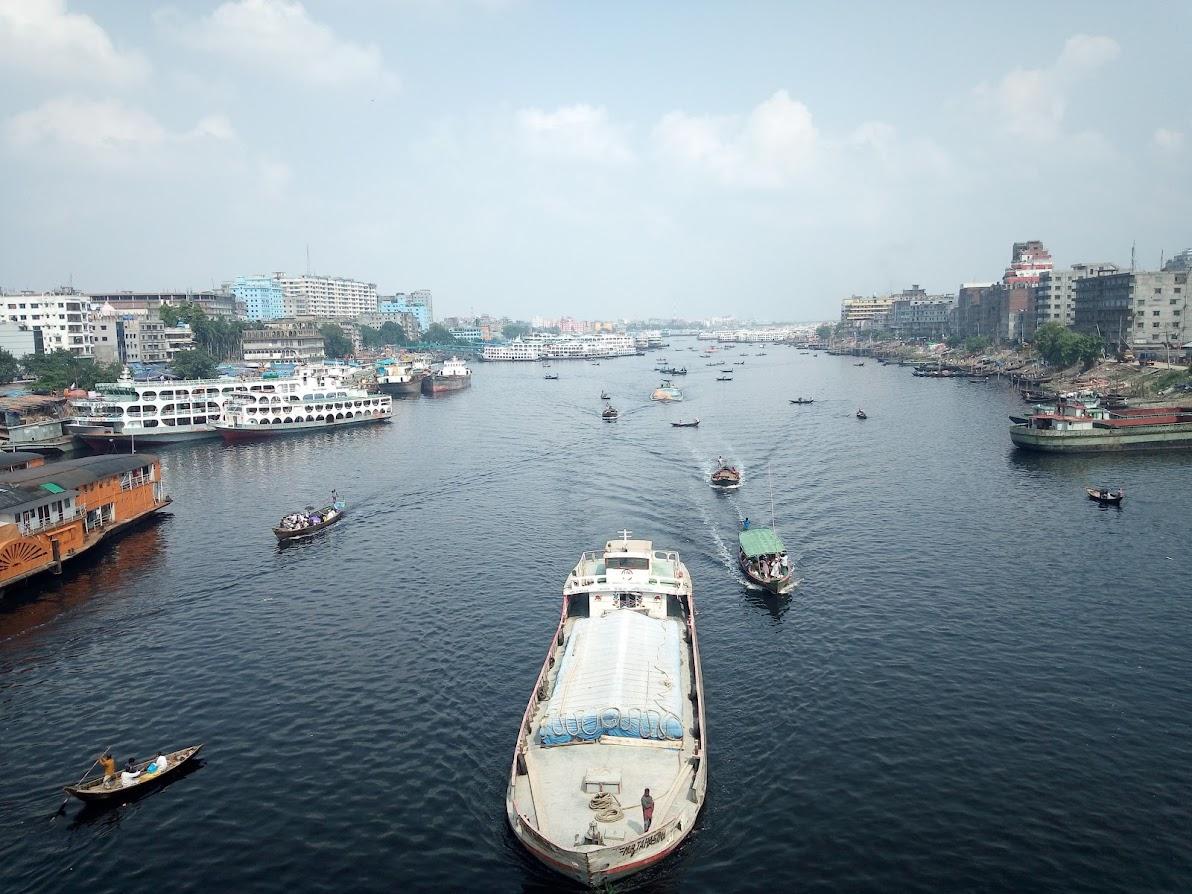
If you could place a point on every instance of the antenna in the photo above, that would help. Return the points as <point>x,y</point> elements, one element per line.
<point>770,481</point>
<point>624,534</point>
<point>308,259</point>
<point>1132,244</point>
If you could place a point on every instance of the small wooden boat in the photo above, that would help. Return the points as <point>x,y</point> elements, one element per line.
<point>610,414</point>
<point>803,400</point>
<point>861,414</point>
<point>760,554</point>
<point>724,378</point>
<point>550,377</point>
<point>93,789</point>
<point>726,477</point>
<point>738,363</point>
<point>604,395</point>
<point>1106,496</point>
<point>862,363</point>
<point>327,516</point>
<point>682,424</point>
<point>729,370</point>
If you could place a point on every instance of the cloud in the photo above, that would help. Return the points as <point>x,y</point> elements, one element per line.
<point>774,146</point>
<point>42,38</point>
<point>1031,102</point>
<point>103,129</point>
<point>576,133</point>
<point>280,37</point>
<point>1168,140</point>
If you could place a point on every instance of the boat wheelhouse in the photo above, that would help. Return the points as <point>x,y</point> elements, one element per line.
<point>610,768</point>
<point>401,379</point>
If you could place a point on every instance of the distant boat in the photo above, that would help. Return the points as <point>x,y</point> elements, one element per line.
<point>1105,496</point>
<point>803,400</point>
<point>682,424</point>
<point>738,363</point>
<point>610,414</point>
<point>550,377</point>
<point>724,378</point>
<point>862,363</point>
<point>729,370</point>
<point>861,414</point>
<point>604,395</point>
<point>666,392</point>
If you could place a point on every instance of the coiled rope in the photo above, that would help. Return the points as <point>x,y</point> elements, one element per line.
<point>607,807</point>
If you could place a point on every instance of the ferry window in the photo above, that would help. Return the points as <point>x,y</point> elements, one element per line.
<point>634,563</point>
<point>150,423</point>
<point>166,394</point>
<point>149,395</point>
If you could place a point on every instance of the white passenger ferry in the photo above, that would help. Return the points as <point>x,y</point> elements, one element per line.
<point>317,397</point>
<point>610,768</point>
<point>162,412</point>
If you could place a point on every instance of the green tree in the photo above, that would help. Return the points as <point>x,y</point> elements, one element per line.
<point>168,314</point>
<point>393,334</point>
<point>218,336</point>
<point>194,365</point>
<point>824,332</point>
<point>370,337</point>
<point>335,343</point>
<point>9,368</point>
<point>61,369</point>
<point>976,343</point>
<point>514,330</point>
<point>438,334</point>
<point>1061,346</point>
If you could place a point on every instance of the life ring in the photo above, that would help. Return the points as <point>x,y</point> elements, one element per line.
<point>626,573</point>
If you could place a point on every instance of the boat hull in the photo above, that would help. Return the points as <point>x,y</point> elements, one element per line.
<point>433,385</point>
<point>233,434</point>
<point>401,389</point>
<point>779,587</point>
<point>95,793</point>
<point>285,535</point>
<point>104,440</point>
<point>1173,436</point>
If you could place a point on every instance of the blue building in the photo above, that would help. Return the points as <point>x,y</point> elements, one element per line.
<point>416,303</point>
<point>262,297</point>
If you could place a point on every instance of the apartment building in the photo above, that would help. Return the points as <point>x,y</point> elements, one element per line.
<point>1055,295</point>
<point>62,317</point>
<point>283,343</point>
<point>326,297</point>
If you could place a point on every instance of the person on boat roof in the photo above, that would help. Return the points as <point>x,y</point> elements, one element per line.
<point>745,524</point>
<point>647,811</point>
<point>108,764</point>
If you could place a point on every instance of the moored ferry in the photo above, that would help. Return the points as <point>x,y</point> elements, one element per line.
<point>454,376</point>
<point>164,412</point>
<point>610,768</point>
<point>317,398</point>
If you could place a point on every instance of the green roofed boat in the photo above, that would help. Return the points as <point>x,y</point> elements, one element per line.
<point>764,561</point>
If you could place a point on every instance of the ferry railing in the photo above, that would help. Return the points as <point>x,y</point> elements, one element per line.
<point>35,526</point>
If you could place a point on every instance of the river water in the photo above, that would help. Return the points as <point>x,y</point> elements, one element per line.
<point>981,682</point>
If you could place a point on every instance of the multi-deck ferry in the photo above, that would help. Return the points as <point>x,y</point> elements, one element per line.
<point>154,412</point>
<point>610,769</point>
<point>316,398</point>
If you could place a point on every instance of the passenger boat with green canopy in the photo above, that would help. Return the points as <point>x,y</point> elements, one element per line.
<point>764,561</point>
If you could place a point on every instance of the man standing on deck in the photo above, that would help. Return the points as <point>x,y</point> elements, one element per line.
<point>647,811</point>
<point>108,763</point>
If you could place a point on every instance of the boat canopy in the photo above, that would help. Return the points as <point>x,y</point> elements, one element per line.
<point>760,542</point>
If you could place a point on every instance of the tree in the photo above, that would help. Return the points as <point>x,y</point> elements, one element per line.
<point>824,332</point>
<point>393,334</point>
<point>218,336</point>
<point>1061,346</point>
<point>335,343</point>
<point>438,334</point>
<point>194,365</point>
<point>168,314</point>
<point>514,330</point>
<point>370,337</point>
<point>60,369</point>
<point>976,343</point>
<point>9,368</point>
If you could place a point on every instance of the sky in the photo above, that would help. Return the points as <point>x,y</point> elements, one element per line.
<point>600,160</point>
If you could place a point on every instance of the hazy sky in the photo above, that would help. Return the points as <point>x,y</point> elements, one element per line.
<point>598,159</point>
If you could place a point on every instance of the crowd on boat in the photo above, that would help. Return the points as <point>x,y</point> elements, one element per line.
<point>130,775</point>
<point>311,518</point>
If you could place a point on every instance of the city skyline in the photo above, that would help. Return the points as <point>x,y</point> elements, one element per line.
<point>605,163</point>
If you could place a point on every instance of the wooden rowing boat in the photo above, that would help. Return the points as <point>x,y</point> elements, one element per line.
<point>1105,495</point>
<point>336,510</point>
<point>681,424</point>
<point>93,789</point>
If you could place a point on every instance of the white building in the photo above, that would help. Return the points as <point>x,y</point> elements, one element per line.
<point>19,339</point>
<point>283,343</point>
<point>326,297</point>
<point>63,317</point>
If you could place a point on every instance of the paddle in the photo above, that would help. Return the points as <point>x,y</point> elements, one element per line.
<point>62,807</point>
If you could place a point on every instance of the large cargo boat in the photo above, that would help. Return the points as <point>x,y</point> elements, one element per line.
<point>401,379</point>
<point>454,376</point>
<point>1072,428</point>
<point>317,399</point>
<point>610,768</point>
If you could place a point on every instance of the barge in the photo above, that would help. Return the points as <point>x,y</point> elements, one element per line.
<point>1073,428</point>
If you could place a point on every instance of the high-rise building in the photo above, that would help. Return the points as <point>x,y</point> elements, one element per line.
<point>1055,296</point>
<point>214,302</point>
<point>63,318</point>
<point>863,313</point>
<point>326,297</point>
<point>1103,307</point>
<point>402,303</point>
<point>1160,312</point>
<point>283,343</point>
<point>262,296</point>
<point>915,314</point>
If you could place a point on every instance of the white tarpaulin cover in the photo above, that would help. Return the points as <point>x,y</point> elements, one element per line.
<point>620,676</point>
